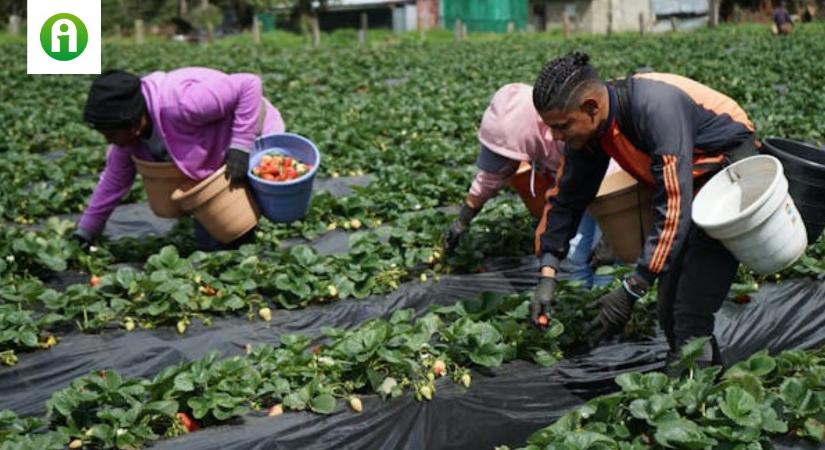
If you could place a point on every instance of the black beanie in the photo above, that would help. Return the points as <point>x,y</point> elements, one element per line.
<point>115,101</point>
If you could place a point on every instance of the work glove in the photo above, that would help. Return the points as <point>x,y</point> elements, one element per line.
<point>457,229</point>
<point>83,238</point>
<point>544,298</point>
<point>614,309</point>
<point>237,164</point>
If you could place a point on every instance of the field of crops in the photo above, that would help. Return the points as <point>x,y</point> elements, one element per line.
<point>396,123</point>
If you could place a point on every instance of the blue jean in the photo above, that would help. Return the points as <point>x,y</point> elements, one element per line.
<point>577,264</point>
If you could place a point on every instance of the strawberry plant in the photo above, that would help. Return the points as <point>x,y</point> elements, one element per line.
<point>22,433</point>
<point>212,390</point>
<point>107,410</point>
<point>758,399</point>
<point>384,357</point>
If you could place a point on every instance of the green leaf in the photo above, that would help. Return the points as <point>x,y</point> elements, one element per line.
<point>401,316</point>
<point>771,422</point>
<point>589,440</point>
<point>288,283</point>
<point>322,404</point>
<point>691,352</point>
<point>642,384</point>
<point>544,358</point>
<point>200,407</point>
<point>751,384</point>
<point>682,434</point>
<point>304,255</point>
<point>164,407</point>
<point>815,429</point>
<point>799,398</point>
<point>28,338</point>
<point>157,308</point>
<point>739,406</point>
<point>184,382</point>
<point>295,401</point>
<point>758,365</point>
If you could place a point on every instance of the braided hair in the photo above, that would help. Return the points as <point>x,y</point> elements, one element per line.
<point>560,79</point>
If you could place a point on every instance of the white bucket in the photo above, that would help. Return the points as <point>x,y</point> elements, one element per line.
<point>747,207</point>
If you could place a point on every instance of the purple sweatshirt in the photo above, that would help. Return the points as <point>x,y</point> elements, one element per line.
<point>199,113</point>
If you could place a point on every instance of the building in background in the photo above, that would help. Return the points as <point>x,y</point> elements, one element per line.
<point>398,15</point>
<point>590,16</point>
<point>680,14</point>
<point>605,16</point>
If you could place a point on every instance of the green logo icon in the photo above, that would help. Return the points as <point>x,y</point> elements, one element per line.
<point>64,37</point>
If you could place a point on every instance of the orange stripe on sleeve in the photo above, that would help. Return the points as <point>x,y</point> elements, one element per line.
<point>540,229</point>
<point>674,205</point>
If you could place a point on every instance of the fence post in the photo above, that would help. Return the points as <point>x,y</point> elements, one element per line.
<point>14,24</point>
<point>210,32</point>
<point>362,33</point>
<point>256,30</point>
<point>609,17</point>
<point>139,35</point>
<point>457,31</point>
<point>316,31</point>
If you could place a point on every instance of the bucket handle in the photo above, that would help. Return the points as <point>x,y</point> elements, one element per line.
<point>733,176</point>
<point>259,142</point>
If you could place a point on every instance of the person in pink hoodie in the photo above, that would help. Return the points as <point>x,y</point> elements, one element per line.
<point>198,118</point>
<point>518,150</point>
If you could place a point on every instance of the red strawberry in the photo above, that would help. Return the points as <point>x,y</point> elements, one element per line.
<point>742,299</point>
<point>542,320</point>
<point>187,422</point>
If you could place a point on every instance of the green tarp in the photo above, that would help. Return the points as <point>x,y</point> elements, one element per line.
<point>486,15</point>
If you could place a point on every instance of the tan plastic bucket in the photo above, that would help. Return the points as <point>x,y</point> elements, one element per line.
<point>623,210</point>
<point>160,180</point>
<point>226,211</point>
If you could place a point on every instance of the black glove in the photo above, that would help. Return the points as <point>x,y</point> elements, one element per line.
<point>543,299</point>
<point>615,309</point>
<point>457,229</point>
<point>83,238</point>
<point>237,164</point>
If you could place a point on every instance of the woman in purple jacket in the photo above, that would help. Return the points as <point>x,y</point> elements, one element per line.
<point>198,118</point>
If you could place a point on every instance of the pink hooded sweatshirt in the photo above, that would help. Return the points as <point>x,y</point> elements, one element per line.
<point>512,128</point>
<point>199,113</point>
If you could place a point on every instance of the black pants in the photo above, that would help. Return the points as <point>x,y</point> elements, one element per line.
<point>693,289</point>
<point>699,278</point>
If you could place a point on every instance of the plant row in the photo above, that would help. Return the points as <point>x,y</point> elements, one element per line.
<point>745,407</point>
<point>175,289</point>
<point>379,357</point>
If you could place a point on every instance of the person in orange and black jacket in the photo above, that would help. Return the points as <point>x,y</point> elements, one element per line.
<point>669,132</point>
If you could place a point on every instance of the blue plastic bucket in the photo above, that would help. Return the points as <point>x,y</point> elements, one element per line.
<point>288,200</point>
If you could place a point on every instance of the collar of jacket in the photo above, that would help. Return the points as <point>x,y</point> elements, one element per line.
<point>613,104</point>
